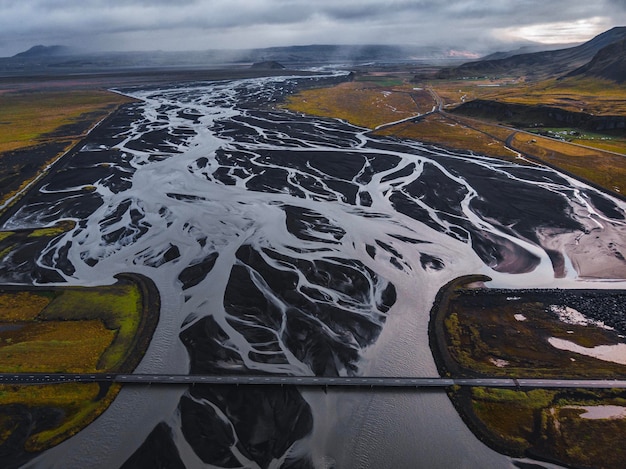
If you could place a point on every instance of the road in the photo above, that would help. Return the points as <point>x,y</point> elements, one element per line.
<point>304,381</point>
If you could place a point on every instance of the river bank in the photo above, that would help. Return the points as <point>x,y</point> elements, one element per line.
<point>68,332</point>
<point>477,332</point>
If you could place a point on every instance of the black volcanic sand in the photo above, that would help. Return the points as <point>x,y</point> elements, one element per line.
<point>19,262</point>
<point>327,350</point>
<point>320,311</point>
<point>46,79</point>
<point>24,164</point>
<point>266,423</point>
<point>608,306</point>
<point>517,207</point>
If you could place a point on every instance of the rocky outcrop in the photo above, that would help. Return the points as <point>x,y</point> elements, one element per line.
<point>522,115</point>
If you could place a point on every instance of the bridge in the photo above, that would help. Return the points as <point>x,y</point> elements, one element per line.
<point>304,381</point>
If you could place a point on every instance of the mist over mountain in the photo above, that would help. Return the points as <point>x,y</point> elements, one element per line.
<point>39,51</point>
<point>540,64</point>
<point>60,59</point>
<point>609,63</point>
<point>526,49</point>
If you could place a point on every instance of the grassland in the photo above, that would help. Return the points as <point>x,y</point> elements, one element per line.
<point>596,96</point>
<point>31,118</point>
<point>371,101</point>
<point>438,129</point>
<point>367,103</point>
<point>68,330</point>
<point>37,127</point>
<point>475,333</point>
<point>606,170</point>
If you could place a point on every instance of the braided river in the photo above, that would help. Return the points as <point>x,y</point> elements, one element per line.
<point>296,245</point>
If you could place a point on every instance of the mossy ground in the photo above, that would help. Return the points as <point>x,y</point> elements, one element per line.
<point>376,99</point>
<point>67,330</point>
<point>475,333</point>
<point>38,127</point>
<point>28,118</point>
<point>549,424</point>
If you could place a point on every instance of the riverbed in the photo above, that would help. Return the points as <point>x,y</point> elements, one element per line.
<point>290,244</point>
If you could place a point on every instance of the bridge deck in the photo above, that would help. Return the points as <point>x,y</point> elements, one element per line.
<point>305,381</point>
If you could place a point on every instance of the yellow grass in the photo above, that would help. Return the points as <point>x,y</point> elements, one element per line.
<point>605,169</point>
<point>439,130</point>
<point>362,104</point>
<point>29,119</point>
<point>71,330</point>
<point>575,94</point>
<point>54,346</point>
<point>21,306</point>
<point>369,105</point>
<point>119,306</point>
<point>25,118</point>
<point>614,145</point>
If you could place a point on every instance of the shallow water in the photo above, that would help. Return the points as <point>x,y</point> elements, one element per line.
<point>293,245</point>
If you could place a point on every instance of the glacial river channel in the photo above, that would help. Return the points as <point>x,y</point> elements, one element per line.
<point>288,244</point>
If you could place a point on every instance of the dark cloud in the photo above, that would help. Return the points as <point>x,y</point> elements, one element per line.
<point>198,24</point>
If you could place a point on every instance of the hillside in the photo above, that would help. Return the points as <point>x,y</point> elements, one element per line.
<point>539,64</point>
<point>43,51</point>
<point>609,63</point>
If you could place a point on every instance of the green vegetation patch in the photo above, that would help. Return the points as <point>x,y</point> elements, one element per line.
<point>71,330</point>
<point>477,332</point>
<point>507,334</point>
<point>53,413</point>
<point>551,424</point>
<point>118,306</point>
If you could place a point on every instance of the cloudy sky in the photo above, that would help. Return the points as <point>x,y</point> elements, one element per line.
<point>216,24</point>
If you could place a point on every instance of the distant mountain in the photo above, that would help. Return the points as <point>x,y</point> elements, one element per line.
<point>40,51</point>
<point>527,49</point>
<point>539,64</point>
<point>267,65</point>
<point>59,60</point>
<point>355,54</point>
<point>609,63</point>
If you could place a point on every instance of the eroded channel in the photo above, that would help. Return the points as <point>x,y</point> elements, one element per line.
<point>287,244</point>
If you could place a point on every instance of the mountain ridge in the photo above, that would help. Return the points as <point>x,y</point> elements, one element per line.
<point>539,64</point>
<point>609,63</point>
<point>39,51</point>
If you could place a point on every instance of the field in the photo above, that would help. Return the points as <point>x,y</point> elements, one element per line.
<point>368,103</point>
<point>476,332</point>
<point>37,127</point>
<point>374,100</point>
<point>572,94</point>
<point>68,330</point>
<point>31,118</point>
